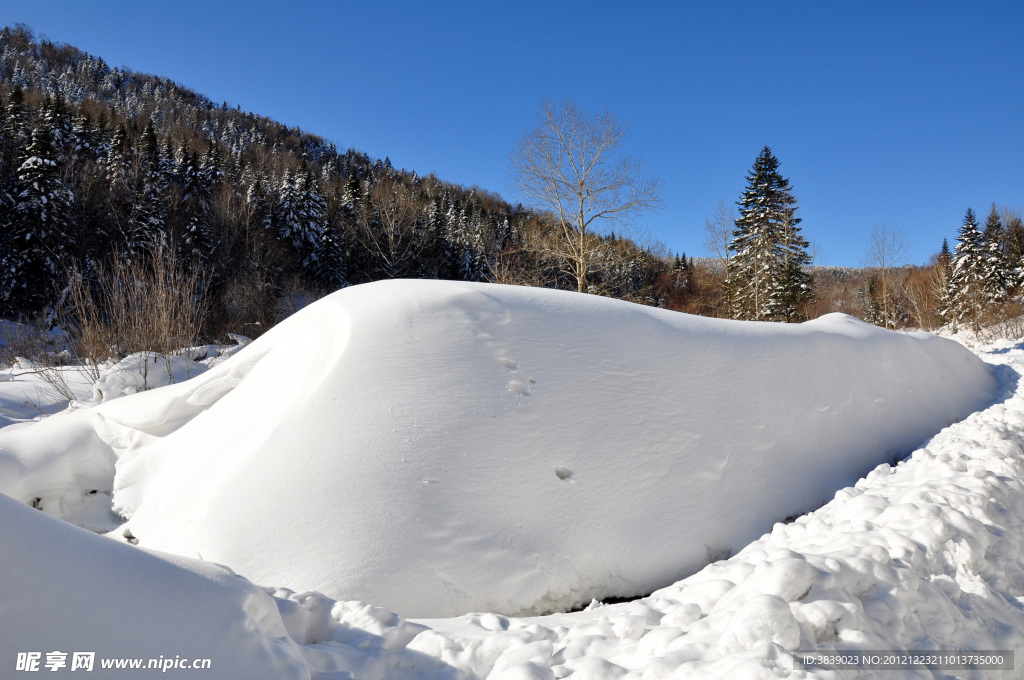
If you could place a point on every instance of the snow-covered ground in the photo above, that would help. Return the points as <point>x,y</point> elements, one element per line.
<point>924,555</point>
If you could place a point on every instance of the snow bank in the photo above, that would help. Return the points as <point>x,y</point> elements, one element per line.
<point>60,464</point>
<point>68,590</point>
<point>437,447</point>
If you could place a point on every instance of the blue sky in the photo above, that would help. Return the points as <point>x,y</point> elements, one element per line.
<point>897,112</point>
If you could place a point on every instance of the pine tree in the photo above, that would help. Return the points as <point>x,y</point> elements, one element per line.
<point>288,213</point>
<point>766,278</point>
<point>869,302</point>
<point>39,232</point>
<point>117,159</point>
<point>1014,226</point>
<point>328,260</point>
<point>472,258</point>
<point>997,270</point>
<point>13,134</point>
<point>302,223</point>
<point>312,232</point>
<point>83,139</point>
<point>942,276</point>
<point>969,287</point>
<point>167,161</point>
<point>146,231</point>
<point>195,244</point>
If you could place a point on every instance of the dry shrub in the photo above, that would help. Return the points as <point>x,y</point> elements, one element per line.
<point>1003,322</point>
<point>248,305</point>
<point>153,304</point>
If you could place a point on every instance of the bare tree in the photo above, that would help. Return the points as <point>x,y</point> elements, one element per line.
<point>887,250</point>
<point>718,227</point>
<point>387,227</point>
<point>574,166</point>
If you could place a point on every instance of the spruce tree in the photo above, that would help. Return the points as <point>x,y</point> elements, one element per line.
<point>472,258</point>
<point>941,287</point>
<point>328,260</point>
<point>997,270</point>
<point>766,279</point>
<point>309,238</point>
<point>1014,227</point>
<point>969,286</point>
<point>13,134</point>
<point>195,245</point>
<point>39,232</point>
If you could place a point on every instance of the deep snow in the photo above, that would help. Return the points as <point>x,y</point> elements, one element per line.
<point>923,555</point>
<point>438,448</point>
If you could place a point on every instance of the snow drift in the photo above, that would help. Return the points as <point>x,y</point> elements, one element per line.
<point>439,447</point>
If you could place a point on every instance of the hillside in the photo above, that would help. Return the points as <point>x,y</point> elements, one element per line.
<point>101,163</point>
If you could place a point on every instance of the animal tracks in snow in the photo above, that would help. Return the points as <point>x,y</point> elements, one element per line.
<point>522,387</point>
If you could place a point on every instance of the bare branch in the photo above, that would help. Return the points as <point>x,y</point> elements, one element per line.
<point>572,165</point>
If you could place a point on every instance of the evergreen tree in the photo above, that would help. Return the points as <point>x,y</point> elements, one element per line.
<point>14,132</point>
<point>766,278</point>
<point>302,223</point>
<point>311,235</point>
<point>195,244</point>
<point>83,140</point>
<point>118,164</point>
<point>328,260</point>
<point>39,231</point>
<point>868,295</point>
<point>211,168</point>
<point>1014,226</point>
<point>943,274</point>
<point>472,259</point>
<point>969,286</point>
<point>997,270</point>
<point>945,256</point>
<point>288,213</point>
<point>146,231</point>
<point>167,163</point>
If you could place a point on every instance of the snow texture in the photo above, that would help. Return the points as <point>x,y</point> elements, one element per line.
<point>438,448</point>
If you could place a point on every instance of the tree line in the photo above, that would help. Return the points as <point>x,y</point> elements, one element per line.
<point>103,168</point>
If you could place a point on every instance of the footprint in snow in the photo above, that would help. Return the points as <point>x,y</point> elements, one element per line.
<point>510,364</point>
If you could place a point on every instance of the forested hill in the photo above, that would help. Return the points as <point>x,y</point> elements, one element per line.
<point>99,163</point>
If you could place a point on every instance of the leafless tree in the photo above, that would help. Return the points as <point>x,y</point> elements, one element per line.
<point>718,228</point>
<point>573,165</point>
<point>388,228</point>
<point>887,250</point>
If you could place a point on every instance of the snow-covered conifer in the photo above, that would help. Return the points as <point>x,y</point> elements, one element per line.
<point>766,279</point>
<point>969,286</point>
<point>997,270</point>
<point>39,234</point>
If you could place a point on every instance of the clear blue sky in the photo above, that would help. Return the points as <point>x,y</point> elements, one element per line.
<point>902,112</point>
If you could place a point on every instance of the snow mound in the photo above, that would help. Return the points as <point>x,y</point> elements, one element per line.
<point>438,447</point>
